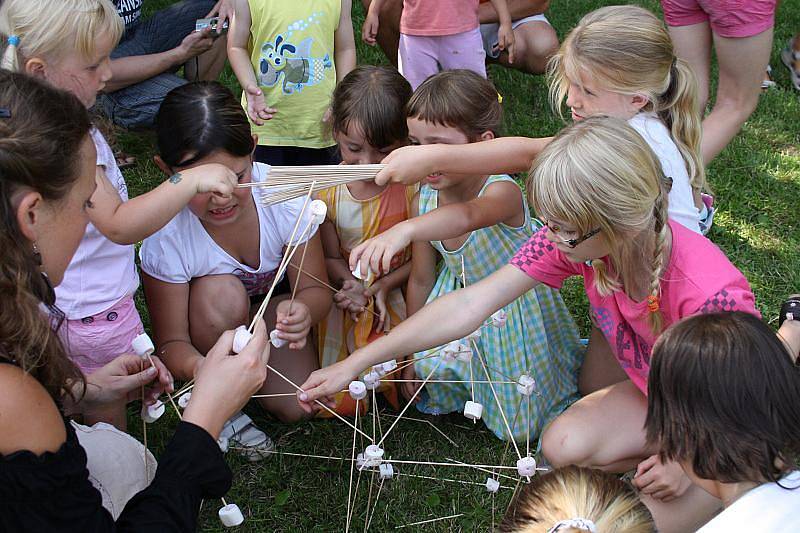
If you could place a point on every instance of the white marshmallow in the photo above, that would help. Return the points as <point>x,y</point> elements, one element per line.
<point>464,353</point>
<point>360,461</point>
<point>499,318</point>
<point>318,210</point>
<point>451,349</point>
<point>526,385</point>
<point>373,455</point>
<point>526,466</point>
<point>240,338</point>
<point>275,340</point>
<point>223,443</point>
<point>492,485</point>
<point>231,515</point>
<point>358,391</point>
<point>386,471</point>
<point>183,401</point>
<point>142,345</point>
<point>367,276</point>
<point>151,413</point>
<point>372,380</point>
<point>389,366</point>
<point>473,410</point>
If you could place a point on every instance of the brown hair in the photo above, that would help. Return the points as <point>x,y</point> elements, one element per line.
<point>41,133</point>
<point>458,99</point>
<point>574,492</point>
<point>373,99</point>
<point>723,394</point>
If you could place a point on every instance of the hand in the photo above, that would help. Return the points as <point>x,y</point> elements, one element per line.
<point>123,378</point>
<point>196,43</point>
<point>378,291</point>
<point>295,326</point>
<point>379,251</point>
<point>257,108</point>
<point>214,178</point>
<point>222,9</point>
<point>323,384</point>
<point>351,296</point>
<point>408,164</point>
<point>369,31</point>
<point>505,40</point>
<point>409,388</point>
<point>663,482</point>
<point>326,118</point>
<point>224,382</point>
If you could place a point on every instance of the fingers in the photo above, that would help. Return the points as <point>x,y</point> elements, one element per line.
<point>511,54</point>
<point>164,376</point>
<point>646,465</point>
<point>313,388</point>
<point>223,346</point>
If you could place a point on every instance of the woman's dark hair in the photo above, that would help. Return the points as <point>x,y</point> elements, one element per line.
<point>197,119</point>
<point>458,99</point>
<point>373,99</point>
<point>723,394</point>
<point>42,130</point>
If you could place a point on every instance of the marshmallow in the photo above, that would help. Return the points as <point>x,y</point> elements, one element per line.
<point>526,385</point>
<point>275,340</point>
<point>142,345</point>
<point>358,391</point>
<point>373,455</point>
<point>526,466</point>
<point>389,366</point>
<point>360,461</point>
<point>386,471</point>
<point>183,401</point>
<point>372,380</point>
<point>475,334</point>
<point>223,443</point>
<point>240,338</point>
<point>318,211</point>
<point>231,515</point>
<point>367,277</point>
<point>473,410</point>
<point>464,353</point>
<point>492,485</point>
<point>151,413</point>
<point>499,318</point>
<point>451,349</point>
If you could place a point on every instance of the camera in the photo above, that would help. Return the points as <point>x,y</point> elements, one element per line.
<point>213,22</point>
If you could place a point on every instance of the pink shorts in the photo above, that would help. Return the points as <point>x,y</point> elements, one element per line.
<point>727,18</point>
<point>93,341</point>
<point>422,56</point>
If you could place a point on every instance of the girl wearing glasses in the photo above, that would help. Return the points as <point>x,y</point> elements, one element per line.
<point>604,197</point>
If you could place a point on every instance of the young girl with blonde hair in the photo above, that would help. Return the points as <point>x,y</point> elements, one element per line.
<point>603,196</point>
<point>67,44</point>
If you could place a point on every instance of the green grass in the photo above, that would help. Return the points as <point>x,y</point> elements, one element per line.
<point>757,184</point>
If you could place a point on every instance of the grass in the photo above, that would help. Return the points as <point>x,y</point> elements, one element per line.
<point>757,184</point>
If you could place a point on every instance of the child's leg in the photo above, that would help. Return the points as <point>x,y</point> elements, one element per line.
<point>115,414</point>
<point>418,58</point>
<point>790,333</point>
<point>463,50</point>
<point>600,367</point>
<point>216,304</point>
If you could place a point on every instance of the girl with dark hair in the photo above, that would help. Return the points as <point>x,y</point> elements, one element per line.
<point>723,397</point>
<point>203,271</point>
<point>47,178</point>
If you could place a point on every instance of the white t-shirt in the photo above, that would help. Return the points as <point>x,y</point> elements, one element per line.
<point>768,508</point>
<point>183,250</point>
<point>101,272</point>
<point>681,199</point>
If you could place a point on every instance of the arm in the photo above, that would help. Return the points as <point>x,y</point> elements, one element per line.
<point>351,292</point>
<point>369,31</point>
<point>131,221</point>
<point>344,43</point>
<point>518,9</point>
<point>411,164</point>
<point>505,34</point>
<point>422,276</point>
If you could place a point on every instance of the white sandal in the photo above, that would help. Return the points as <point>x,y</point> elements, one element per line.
<point>253,443</point>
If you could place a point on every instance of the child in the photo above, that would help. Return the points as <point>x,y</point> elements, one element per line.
<point>288,57</point>
<point>575,499</point>
<point>48,41</point>
<point>445,34</point>
<point>477,222</point>
<point>617,61</point>
<point>723,403</point>
<point>202,270</point>
<point>603,196</point>
<point>368,120</point>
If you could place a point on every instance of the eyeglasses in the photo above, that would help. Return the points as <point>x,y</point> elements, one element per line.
<point>572,243</point>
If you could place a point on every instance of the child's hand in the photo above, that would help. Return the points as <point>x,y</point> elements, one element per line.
<point>378,291</point>
<point>196,43</point>
<point>505,40</point>
<point>215,178</point>
<point>324,383</point>
<point>326,118</point>
<point>662,481</point>
<point>257,108</point>
<point>378,251</point>
<point>408,164</point>
<point>370,29</point>
<point>409,388</point>
<point>351,297</point>
<point>295,326</point>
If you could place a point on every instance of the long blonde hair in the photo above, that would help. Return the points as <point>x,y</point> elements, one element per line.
<point>575,492</point>
<point>600,173</point>
<point>54,28</point>
<point>627,50</point>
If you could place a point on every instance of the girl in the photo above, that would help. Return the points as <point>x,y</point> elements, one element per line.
<point>617,61</point>
<point>444,34</point>
<point>710,410</point>
<point>288,58</point>
<point>47,40</point>
<point>368,122</point>
<point>604,199</point>
<point>48,162</point>
<point>201,270</point>
<point>476,223</point>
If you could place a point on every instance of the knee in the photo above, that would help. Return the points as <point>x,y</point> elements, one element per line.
<point>738,102</point>
<point>535,47</point>
<point>218,302</point>
<point>562,445</point>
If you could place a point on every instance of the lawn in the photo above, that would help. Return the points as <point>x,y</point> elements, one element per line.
<point>757,185</point>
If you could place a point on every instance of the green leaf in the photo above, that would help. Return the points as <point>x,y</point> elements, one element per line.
<point>282,497</point>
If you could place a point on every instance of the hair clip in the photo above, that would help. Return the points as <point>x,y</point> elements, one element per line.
<point>581,524</point>
<point>13,40</point>
<point>5,112</point>
<point>653,304</point>
<point>499,98</point>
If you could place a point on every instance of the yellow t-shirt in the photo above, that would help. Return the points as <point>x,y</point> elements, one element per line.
<point>291,50</point>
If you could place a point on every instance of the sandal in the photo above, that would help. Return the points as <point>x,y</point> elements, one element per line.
<point>790,310</point>
<point>253,444</point>
<point>790,57</point>
<point>124,160</point>
<point>767,82</point>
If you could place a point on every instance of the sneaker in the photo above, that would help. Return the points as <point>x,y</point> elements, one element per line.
<point>707,213</point>
<point>791,58</point>
<point>253,443</point>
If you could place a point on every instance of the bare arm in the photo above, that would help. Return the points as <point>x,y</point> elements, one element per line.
<point>344,44</point>
<point>369,31</point>
<point>517,8</point>
<point>309,291</point>
<point>336,265</point>
<point>422,276</point>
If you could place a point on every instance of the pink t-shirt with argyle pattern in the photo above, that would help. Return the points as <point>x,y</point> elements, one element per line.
<point>698,279</point>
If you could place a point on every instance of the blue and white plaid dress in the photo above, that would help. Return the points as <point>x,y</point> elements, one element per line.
<point>539,338</point>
